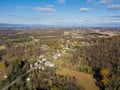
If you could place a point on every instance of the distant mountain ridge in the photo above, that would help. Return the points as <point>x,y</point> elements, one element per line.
<point>21,25</point>
<point>5,25</point>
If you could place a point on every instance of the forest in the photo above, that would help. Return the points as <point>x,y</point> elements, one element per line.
<point>104,59</point>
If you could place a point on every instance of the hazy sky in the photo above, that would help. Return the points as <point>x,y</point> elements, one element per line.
<point>61,12</point>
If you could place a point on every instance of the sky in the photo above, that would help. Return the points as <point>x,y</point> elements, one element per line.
<point>61,12</point>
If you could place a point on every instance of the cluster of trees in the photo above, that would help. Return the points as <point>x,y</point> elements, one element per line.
<point>104,59</point>
<point>47,80</point>
<point>39,79</point>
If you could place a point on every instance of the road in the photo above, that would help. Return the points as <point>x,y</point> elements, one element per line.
<point>19,77</point>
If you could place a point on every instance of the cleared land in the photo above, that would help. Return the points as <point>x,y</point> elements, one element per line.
<point>83,79</point>
<point>2,47</point>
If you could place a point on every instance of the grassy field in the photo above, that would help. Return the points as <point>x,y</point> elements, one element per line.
<point>86,80</point>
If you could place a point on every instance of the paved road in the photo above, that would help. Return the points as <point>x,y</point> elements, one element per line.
<point>19,78</point>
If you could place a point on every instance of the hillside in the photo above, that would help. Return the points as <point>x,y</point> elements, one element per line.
<point>83,79</point>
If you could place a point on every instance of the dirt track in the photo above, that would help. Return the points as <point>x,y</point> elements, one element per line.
<point>83,79</point>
